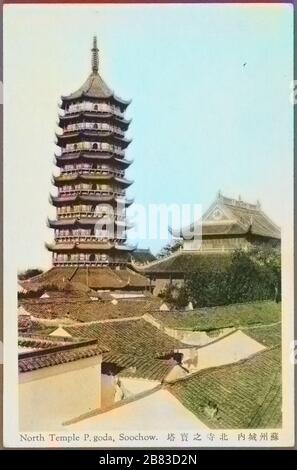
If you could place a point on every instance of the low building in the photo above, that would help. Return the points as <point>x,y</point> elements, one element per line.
<point>49,374</point>
<point>140,356</point>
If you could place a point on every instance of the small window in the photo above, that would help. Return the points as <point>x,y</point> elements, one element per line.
<point>96,107</point>
<point>95,146</point>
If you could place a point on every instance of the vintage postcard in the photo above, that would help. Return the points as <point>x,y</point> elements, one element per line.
<point>148,226</point>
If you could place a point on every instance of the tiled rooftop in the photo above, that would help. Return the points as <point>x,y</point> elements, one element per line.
<point>134,337</point>
<point>242,395</point>
<point>38,353</point>
<point>90,310</point>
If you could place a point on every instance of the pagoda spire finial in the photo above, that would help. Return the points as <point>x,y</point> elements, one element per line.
<point>95,56</point>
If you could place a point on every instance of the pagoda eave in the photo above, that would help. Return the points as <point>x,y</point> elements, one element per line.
<point>86,247</point>
<point>57,201</point>
<point>78,247</point>
<point>112,98</point>
<point>91,136</point>
<point>61,181</point>
<point>60,160</point>
<point>88,116</point>
<point>87,222</point>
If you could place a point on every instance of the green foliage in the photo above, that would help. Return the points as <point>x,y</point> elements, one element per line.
<point>249,276</point>
<point>168,249</point>
<point>175,295</point>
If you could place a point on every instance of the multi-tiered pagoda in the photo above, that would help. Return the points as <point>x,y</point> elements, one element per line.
<point>90,226</point>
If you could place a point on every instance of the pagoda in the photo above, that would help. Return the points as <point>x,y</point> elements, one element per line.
<point>90,228</point>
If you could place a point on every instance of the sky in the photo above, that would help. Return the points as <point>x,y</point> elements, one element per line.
<point>211,108</point>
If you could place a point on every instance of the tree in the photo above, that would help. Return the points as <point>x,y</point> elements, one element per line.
<point>249,276</point>
<point>169,248</point>
<point>28,273</point>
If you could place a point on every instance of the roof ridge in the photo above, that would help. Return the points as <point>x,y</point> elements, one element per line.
<point>164,258</point>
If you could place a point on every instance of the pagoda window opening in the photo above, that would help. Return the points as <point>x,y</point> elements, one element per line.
<point>95,146</point>
<point>96,107</point>
<point>69,167</point>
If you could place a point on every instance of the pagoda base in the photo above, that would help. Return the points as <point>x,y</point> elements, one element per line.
<point>95,278</point>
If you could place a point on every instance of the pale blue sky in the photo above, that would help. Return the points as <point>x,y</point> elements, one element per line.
<point>202,121</point>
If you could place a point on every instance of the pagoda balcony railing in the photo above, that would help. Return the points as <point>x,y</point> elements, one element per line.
<point>89,126</point>
<point>93,171</point>
<point>93,108</point>
<point>90,192</point>
<point>88,214</point>
<point>95,263</point>
<point>89,238</point>
<point>81,147</point>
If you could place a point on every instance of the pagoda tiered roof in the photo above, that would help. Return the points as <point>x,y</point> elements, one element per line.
<point>94,88</point>
<point>82,140</point>
<point>92,278</point>
<point>59,201</point>
<point>91,116</point>
<point>86,222</point>
<point>87,246</point>
<point>76,178</point>
<point>91,156</point>
<point>91,136</point>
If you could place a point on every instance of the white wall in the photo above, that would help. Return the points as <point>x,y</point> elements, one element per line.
<point>133,386</point>
<point>52,395</point>
<point>233,348</point>
<point>116,388</point>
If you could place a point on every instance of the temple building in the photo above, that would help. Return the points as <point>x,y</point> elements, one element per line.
<point>228,224</point>
<point>90,228</point>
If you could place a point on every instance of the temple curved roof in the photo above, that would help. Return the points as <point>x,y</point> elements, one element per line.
<point>232,217</point>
